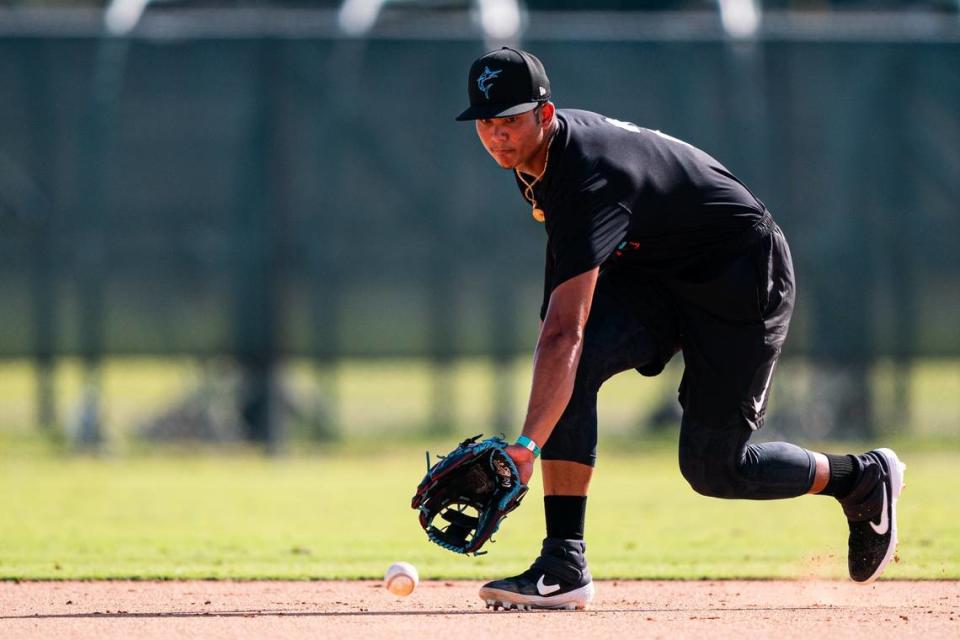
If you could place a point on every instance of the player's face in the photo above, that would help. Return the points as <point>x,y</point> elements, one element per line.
<point>512,141</point>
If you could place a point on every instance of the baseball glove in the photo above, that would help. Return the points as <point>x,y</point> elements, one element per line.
<point>464,497</point>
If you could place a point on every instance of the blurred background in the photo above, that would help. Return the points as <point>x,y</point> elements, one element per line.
<point>257,222</point>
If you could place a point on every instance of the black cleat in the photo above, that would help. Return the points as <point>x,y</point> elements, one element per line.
<point>871,510</point>
<point>558,579</point>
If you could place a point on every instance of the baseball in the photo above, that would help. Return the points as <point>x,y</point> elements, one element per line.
<point>401,579</point>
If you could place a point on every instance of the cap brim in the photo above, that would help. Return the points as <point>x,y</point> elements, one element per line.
<point>482,112</point>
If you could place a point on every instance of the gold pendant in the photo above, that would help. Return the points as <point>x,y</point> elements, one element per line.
<point>539,215</point>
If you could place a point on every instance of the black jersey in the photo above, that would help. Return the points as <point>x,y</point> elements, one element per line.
<point>614,192</point>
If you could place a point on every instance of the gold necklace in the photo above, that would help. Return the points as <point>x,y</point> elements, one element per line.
<point>538,214</point>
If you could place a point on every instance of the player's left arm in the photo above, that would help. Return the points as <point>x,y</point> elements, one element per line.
<point>555,362</point>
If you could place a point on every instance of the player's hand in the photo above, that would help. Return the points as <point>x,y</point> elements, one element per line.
<point>523,458</point>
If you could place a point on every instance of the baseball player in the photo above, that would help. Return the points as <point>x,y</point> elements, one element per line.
<point>653,247</point>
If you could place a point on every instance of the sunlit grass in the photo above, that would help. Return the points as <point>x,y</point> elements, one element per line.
<point>344,513</point>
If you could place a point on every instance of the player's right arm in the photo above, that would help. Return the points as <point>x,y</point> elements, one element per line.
<point>555,362</point>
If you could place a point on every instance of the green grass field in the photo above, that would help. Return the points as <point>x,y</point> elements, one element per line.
<point>343,513</point>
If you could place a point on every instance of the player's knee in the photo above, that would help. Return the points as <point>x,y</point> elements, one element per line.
<point>571,446</point>
<point>591,371</point>
<point>574,437</point>
<point>696,472</point>
<point>709,470</point>
<point>716,483</point>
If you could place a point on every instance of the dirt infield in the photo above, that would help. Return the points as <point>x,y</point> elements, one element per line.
<point>108,610</point>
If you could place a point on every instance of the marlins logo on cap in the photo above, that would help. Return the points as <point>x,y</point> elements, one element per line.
<point>483,81</point>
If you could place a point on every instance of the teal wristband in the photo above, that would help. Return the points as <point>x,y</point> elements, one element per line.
<point>527,443</point>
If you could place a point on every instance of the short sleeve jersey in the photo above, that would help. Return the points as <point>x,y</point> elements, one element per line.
<point>614,192</point>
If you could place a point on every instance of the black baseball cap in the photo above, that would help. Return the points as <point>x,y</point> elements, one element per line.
<point>504,83</point>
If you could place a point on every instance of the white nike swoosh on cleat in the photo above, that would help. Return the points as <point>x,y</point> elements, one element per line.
<point>546,590</point>
<point>884,526</point>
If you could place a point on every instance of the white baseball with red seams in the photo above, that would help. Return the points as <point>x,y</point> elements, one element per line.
<point>401,579</point>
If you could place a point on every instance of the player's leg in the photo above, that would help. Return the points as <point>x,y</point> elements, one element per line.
<point>715,456</point>
<point>616,339</point>
<point>717,461</point>
<point>735,323</point>
<point>867,486</point>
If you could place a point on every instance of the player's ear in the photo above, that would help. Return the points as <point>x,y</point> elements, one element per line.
<point>547,112</point>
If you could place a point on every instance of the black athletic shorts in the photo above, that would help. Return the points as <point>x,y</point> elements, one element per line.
<point>733,323</point>
<point>729,318</point>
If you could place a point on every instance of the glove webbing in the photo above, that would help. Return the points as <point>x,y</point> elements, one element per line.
<point>460,519</point>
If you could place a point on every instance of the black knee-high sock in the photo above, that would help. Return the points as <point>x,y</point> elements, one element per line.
<point>843,475</point>
<point>565,516</point>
